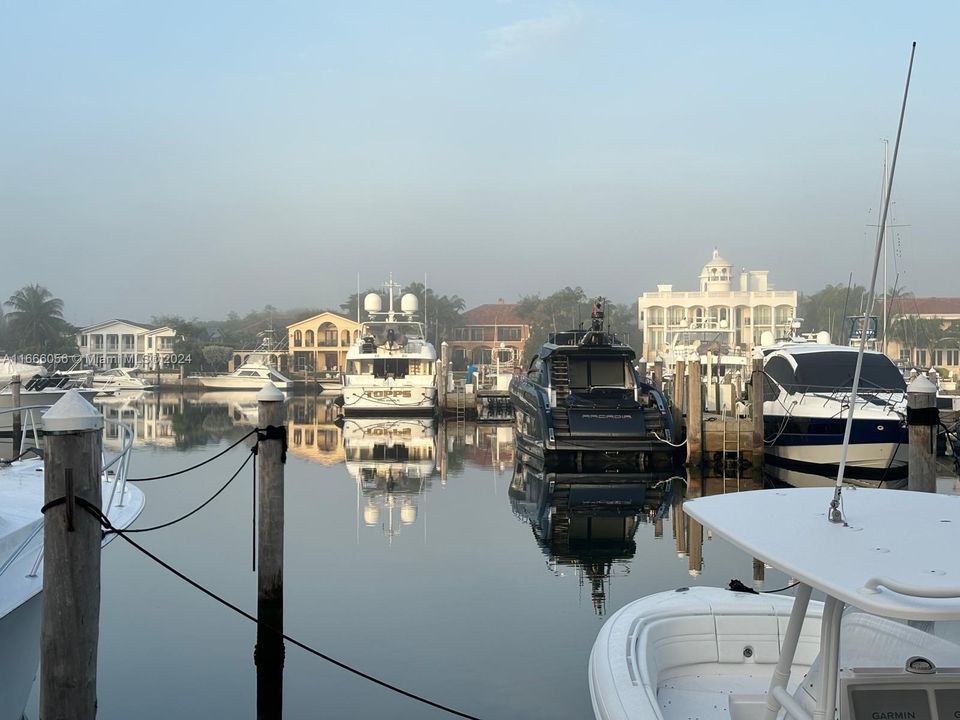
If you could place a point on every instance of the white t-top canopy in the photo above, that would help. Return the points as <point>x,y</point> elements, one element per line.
<point>897,555</point>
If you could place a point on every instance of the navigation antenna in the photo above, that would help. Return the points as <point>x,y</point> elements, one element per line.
<point>835,513</point>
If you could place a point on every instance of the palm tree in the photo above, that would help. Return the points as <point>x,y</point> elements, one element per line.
<point>35,320</point>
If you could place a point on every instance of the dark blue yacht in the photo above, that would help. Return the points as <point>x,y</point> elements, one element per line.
<point>582,402</point>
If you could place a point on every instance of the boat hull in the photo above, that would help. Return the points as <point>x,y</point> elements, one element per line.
<point>248,384</point>
<point>591,438</point>
<point>877,449</point>
<point>394,400</point>
<point>20,656</point>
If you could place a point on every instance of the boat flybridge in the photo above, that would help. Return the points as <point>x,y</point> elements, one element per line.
<point>391,368</point>
<point>879,647</point>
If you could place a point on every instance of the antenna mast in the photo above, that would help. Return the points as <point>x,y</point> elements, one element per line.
<point>836,514</point>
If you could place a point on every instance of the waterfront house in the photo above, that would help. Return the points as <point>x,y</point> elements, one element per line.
<point>924,332</point>
<point>487,329</point>
<point>320,343</point>
<point>123,343</point>
<point>726,314</point>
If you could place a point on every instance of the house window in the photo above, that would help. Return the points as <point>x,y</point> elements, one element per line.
<point>149,343</point>
<point>460,333</point>
<point>83,341</point>
<point>297,338</point>
<point>345,337</point>
<point>952,357</point>
<point>327,335</point>
<point>476,333</point>
<point>922,358</point>
<point>308,338</point>
<point>508,333</point>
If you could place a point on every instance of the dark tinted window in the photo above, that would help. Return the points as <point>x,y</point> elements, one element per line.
<point>834,370</point>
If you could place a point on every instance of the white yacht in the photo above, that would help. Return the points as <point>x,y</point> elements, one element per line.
<point>119,379</point>
<point>806,393</point>
<point>252,375</point>
<point>21,563</point>
<point>391,369</point>
<point>881,646</point>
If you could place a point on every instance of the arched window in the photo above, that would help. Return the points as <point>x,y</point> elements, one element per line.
<point>309,338</point>
<point>345,337</point>
<point>356,335</point>
<point>297,338</point>
<point>327,335</point>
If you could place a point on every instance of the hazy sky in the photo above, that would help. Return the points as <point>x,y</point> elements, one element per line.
<point>197,158</point>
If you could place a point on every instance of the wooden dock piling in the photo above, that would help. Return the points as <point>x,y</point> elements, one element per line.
<point>922,421</point>
<point>269,651</point>
<point>17,416</point>
<point>695,395</point>
<point>756,410</point>
<point>658,373</point>
<point>70,625</point>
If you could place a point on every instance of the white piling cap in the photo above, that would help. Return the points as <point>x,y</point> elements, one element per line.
<point>269,393</point>
<point>71,413</point>
<point>921,384</point>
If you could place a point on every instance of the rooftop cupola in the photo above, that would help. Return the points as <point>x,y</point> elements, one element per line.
<point>716,274</point>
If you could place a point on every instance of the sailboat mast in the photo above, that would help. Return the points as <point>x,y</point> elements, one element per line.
<point>836,514</point>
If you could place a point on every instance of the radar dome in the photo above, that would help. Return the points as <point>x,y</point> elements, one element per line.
<point>372,303</point>
<point>409,304</point>
<point>766,338</point>
<point>408,514</point>
<point>823,338</point>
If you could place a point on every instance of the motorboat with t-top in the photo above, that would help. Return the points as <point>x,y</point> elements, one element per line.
<point>391,368</point>
<point>583,399</point>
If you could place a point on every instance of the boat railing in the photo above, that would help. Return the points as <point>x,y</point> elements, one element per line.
<point>113,471</point>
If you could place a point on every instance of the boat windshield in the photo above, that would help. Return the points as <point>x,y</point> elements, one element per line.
<point>398,332</point>
<point>589,373</point>
<point>834,371</point>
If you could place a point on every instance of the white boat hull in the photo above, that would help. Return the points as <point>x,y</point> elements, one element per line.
<point>19,656</point>
<point>234,383</point>
<point>388,400</point>
<point>32,398</point>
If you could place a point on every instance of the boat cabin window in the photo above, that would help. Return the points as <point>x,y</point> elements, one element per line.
<point>535,372</point>
<point>598,372</point>
<point>248,373</point>
<point>830,371</point>
<point>391,367</point>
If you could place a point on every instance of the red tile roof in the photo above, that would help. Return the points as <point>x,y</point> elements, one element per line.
<point>492,314</point>
<point>930,306</point>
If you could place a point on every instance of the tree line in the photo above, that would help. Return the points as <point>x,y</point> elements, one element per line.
<point>32,321</point>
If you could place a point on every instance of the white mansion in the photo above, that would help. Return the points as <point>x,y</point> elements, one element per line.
<point>716,316</point>
<point>122,343</point>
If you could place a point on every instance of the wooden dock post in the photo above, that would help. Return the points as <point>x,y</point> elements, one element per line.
<point>759,571</point>
<point>922,420</point>
<point>677,392</point>
<point>695,397</point>
<point>70,625</point>
<point>17,416</point>
<point>269,652</point>
<point>756,411</point>
<point>658,373</point>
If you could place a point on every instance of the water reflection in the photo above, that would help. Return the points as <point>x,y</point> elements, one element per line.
<point>312,430</point>
<point>588,521</point>
<point>393,461</point>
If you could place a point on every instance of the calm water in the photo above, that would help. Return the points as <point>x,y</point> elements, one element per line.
<point>428,557</point>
